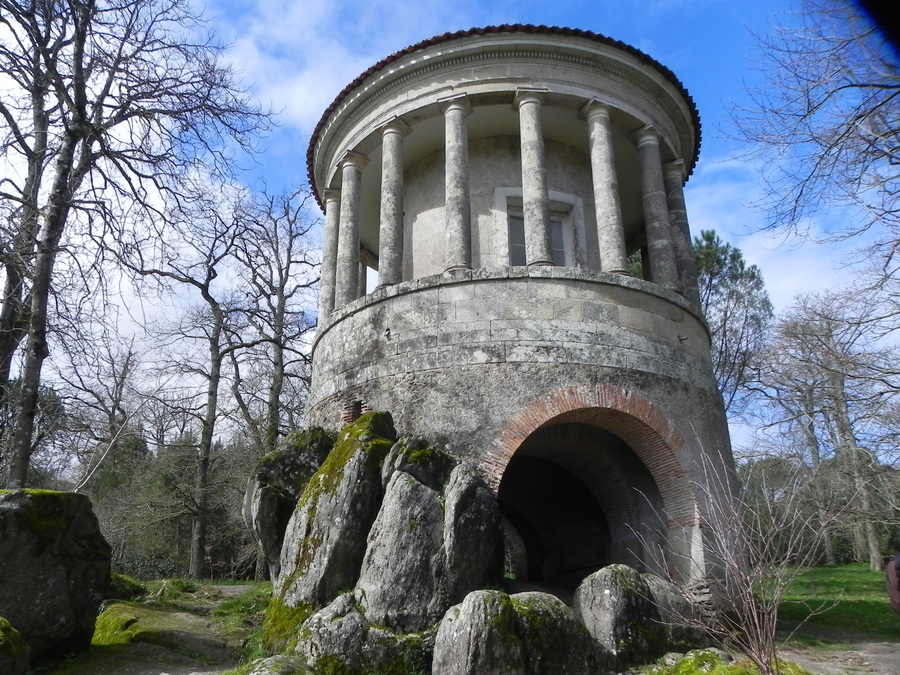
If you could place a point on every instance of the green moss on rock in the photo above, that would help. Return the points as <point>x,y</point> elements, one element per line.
<point>429,465</point>
<point>118,624</point>
<point>123,587</point>
<point>705,661</point>
<point>14,652</point>
<point>282,625</point>
<point>46,515</point>
<point>290,467</point>
<point>373,433</point>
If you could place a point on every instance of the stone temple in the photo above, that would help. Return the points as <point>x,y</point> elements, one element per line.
<point>485,193</point>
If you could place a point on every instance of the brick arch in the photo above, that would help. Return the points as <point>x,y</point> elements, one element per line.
<point>631,417</point>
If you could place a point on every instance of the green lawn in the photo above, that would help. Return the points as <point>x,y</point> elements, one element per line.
<point>848,599</point>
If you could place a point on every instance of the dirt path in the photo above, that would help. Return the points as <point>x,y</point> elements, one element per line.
<point>863,657</point>
<point>191,643</point>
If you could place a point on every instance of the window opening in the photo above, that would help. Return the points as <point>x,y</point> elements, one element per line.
<point>516,240</point>
<point>561,240</point>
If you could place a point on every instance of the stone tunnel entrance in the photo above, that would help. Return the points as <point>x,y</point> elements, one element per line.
<point>574,498</point>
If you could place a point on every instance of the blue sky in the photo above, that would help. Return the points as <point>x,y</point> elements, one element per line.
<point>299,55</point>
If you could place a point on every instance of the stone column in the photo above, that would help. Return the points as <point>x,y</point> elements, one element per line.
<point>361,280</point>
<point>456,199</point>
<point>681,233</point>
<point>347,272</point>
<point>329,253</point>
<point>663,270</point>
<point>390,237</point>
<point>610,227</point>
<point>535,199</point>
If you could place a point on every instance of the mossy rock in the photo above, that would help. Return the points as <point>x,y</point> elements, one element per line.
<point>615,603</point>
<point>325,543</point>
<point>429,465</point>
<point>54,571</point>
<point>372,434</point>
<point>46,514</point>
<point>282,625</point>
<point>14,652</point>
<point>123,587</point>
<point>123,623</point>
<point>554,640</point>
<point>300,454</point>
<point>339,640</point>
<point>710,662</point>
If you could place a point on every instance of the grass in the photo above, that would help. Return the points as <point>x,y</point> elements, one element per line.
<point>847,600</point>
<point>241,619</point>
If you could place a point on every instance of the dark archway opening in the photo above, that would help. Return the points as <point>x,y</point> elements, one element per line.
<point>576,498</point>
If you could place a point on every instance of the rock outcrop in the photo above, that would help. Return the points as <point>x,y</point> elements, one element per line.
<point>616,605</point>
<point>385,537</point>
<point>54,569</point>
<point>325,539</point>
<point>276,485</point>
<point>531,633</point>
<point>339,638</point>
<point>436,538</point>
<point>384,565</point>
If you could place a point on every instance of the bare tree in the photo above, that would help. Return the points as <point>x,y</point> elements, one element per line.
<point>829,377</point>
<point>758,537</point>
<point>107,105</point>
<point>98,379</point>
<point>826,125</point>
<point>280,270</point>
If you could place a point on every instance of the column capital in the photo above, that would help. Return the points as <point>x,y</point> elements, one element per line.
<point>353,158</point>
<point>331,195</point>
<point>593,107</point>
<point>529,95</point>
<point>395,126</point>
<point>646,134</point>
<point>455,102</point>
<point>675,169</point>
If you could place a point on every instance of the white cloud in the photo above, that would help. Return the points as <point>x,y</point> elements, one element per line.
<point>721,197</point>
<point>299,56</point>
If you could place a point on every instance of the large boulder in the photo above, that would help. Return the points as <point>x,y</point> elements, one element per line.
<point>478,636</point>
<point>54,569</point>
<point>326,537</point>
<point>276,485</point>
<point>555,640</point>
<point>616,605</point>
<point>681,618</point>
<point>530,633</point>
<point>339,639</point>
<point>436,538</point>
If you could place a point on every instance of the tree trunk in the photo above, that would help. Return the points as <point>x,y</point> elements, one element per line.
<point>854,454</point>
<point>36,348</point>
<point>820,494</point>
<point>201,483</point>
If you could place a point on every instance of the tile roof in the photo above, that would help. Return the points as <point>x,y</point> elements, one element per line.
<point>490,30</point>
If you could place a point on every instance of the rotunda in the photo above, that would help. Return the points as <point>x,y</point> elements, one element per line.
<point>488,197</point>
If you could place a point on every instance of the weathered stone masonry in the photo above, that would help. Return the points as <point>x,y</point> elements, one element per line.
<point>497,180</point>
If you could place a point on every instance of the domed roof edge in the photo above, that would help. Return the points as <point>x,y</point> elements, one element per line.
<point>488,30</point>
